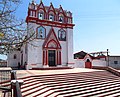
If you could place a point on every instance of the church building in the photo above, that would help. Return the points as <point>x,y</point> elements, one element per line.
<point>51,32</point>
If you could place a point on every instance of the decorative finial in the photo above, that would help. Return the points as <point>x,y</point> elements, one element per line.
<point>60,6</point>
<point>50,3</point>
<point>33,1</point>
<point>40,0</point>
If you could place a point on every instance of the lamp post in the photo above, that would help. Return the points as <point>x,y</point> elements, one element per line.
<point>107,57</point>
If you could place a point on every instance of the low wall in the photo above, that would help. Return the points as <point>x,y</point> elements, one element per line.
<point>79,63</point>
<point>109,69</point>
<point>3,64</point>
<point>101,63</point>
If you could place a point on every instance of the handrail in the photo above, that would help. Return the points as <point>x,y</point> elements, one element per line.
<point>5,89</point>
<point>16,84</point>
<point>113,70</point>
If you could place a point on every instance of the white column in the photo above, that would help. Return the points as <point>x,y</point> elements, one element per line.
<point>70,46</point>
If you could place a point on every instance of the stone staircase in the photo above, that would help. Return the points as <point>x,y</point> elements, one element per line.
<point>81,84</point>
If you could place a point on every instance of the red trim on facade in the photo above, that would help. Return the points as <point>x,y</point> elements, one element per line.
<point>43,57</point>
<point>54,38</point>
<point>48,9</point>
<point>61,11</point>
<point>46,57</point>
<point>88,57</point>
<point>53,41</point>
<point>51,6</point>
<point>38,8</point>
<point>59,57</point>
<point>49,23</point>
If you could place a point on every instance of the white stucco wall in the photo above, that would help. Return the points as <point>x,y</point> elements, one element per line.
<point>23,48</point>
<point>35,50</point>
<point>101,63</point>
<point>79,63</point>
<point>11,62</point>
<point>35,53</point>
<point>112,60</point>
<point>70,46</point>
<point>63,53</point>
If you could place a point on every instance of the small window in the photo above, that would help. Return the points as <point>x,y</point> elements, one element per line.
<point>51,17</point>
<point>32,13</point>
<point>40,16</point>
<point>41,32</point>
<point>62,35</point>
<point>115,62</point>
<point>15,56</point>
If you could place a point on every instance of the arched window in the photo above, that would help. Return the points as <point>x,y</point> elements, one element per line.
<point>51,17</point>
<point>62,35</point>
<point>87,60</point>
<point>41,32</point>
<point>40,15</point>
<point>15,56</point>
<point>61,19</point>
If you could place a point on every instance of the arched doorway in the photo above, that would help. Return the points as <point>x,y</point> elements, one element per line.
<point>88,64</point>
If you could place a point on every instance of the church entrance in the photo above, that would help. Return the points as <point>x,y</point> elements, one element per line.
<point>51,58</point>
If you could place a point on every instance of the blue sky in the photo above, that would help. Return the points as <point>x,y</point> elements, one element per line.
<point>97,23</point>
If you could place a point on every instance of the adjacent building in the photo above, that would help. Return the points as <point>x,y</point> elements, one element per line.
<point>114,61</point>
<point>86,60</point>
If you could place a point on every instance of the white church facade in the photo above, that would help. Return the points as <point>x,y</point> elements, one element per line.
<point>52,43</point>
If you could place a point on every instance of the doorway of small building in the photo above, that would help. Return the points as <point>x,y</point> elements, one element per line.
<point>88,64</point>
<point>51,58</point>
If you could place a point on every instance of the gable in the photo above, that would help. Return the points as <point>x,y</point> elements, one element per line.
<point>51,40</point>
<point>51,8</point>
<point>61,11</point>
<point>87,57</point>
<point>41,6</point>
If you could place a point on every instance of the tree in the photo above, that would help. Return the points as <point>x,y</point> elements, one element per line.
<point>12,30</point>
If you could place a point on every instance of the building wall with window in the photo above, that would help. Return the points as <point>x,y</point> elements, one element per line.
<point>114,61</point>
<point>13,58</point>
<point>52,41</point>
<point>35,50</point>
